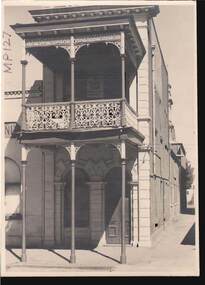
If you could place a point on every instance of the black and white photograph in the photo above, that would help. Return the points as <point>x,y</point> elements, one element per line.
<point>99,158</point>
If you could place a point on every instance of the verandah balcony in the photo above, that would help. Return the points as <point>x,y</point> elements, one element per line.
<point>89,115</point>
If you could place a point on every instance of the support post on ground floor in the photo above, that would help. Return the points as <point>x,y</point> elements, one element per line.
<point>123,163</point>
<point>72,149</point>
<point>24,154</point>
<point>72,256</point>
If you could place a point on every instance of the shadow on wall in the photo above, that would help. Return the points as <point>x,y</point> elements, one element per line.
<point>13,154</point>
<point>12,201</point>
<point>189,238</point>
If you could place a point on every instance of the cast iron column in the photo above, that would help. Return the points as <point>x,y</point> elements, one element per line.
<point>123,163</point>
<point>123,88</point>
<point>122,54</point>
<point>23,255</point>
<point>23,63</point>
<point>72,91</point>
<point>24,153</point>
<point>72,256</point>
<point>72,50</point>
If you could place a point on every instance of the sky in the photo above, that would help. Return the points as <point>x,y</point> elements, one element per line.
<point>176,28</point>
<point>177,35</point>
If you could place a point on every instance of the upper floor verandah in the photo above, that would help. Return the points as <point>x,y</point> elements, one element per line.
<point>93,64</point>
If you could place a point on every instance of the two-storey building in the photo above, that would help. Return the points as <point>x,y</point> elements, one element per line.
<point>87,148</point>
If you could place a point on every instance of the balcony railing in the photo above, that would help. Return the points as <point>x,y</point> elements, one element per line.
<point>100,114</point>
<point>47,116</point>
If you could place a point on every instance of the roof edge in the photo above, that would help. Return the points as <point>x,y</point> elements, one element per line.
<point>82,12</point>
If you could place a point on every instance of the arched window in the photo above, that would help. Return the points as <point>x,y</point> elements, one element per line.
<point>81,200</point>
<point>12,189</point>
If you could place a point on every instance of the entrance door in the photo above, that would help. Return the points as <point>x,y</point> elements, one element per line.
<point>113,207</point>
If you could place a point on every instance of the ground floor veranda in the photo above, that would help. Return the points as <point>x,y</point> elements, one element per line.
<point>175,254</point>
<point>86,194</point>
<point>77,196</point>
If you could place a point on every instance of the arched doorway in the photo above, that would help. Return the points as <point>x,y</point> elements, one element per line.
<point>82,220</point>
<point>113,207</point>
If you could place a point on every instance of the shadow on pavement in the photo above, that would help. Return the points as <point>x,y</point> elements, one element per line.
<point>104,255</point>
<point>58,254</point>
<point>189,239</point>
<point>14,254</point>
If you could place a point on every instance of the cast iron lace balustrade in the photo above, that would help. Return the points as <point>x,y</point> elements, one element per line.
<point>87,115</point>
<point>48,116</point>
<point>98,114</point>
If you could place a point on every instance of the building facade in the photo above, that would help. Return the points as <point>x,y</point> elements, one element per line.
<point>88,157</point>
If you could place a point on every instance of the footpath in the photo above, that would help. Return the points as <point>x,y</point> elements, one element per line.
<point>173,254</point>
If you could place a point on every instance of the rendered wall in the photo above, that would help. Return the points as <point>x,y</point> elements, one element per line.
<point>12,105</point>
<point>175,188</point>
<point>144,124</point>
<point>33,198</point>
<point>160,193</point>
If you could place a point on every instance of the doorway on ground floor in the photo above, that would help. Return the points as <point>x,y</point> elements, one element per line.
<point>113,192</point>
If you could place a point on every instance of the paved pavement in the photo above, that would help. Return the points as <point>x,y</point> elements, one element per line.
<point>173,254</point>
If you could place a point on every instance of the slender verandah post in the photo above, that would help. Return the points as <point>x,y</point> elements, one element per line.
<point>72,256</point>
<point>72,69</point>
<point>72,92</point>
<point>72,151</point>
<point>23,254</point>
<point>122,54</point>
<point>24,153</point>
<point>123,151</point>
<point>23,63</point>
<point>123,89</point>
<point>123,165</point>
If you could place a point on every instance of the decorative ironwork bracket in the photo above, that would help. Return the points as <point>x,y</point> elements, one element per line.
<point>121,147</point>
<point>72,45</point>
<point>24,152</point>
<point>73,150</point>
